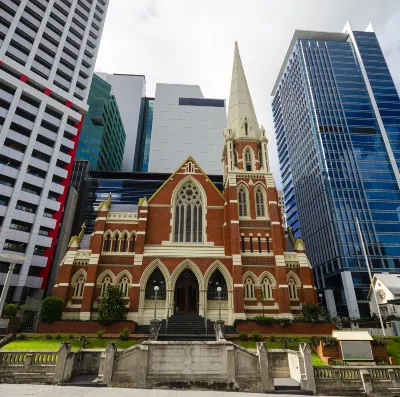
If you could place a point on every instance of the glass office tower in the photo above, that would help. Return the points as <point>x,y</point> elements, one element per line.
<point>337,120</point>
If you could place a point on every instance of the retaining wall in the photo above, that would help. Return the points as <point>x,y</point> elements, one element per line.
<point>291,329</point>
<point>84,327</point>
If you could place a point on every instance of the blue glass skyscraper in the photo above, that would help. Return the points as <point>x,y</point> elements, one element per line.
<point>337,124</point>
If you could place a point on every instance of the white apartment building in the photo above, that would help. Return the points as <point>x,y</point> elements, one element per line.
<point>47,57</point>
<point>185,123</point>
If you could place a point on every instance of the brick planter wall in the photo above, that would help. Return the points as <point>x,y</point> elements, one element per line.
<point>84,327</point>
<point>291,329</point>
<point>326,353</point>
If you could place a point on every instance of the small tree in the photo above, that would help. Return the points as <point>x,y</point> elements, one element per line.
<point>112,305</point>
<point>51,310</point>
<point>313,313</point>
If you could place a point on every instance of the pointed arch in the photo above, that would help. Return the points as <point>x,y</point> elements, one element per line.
<point>156,264</point>
<point>249,159</point>
<point>260,199</point>
<point>187,264</point>
<point>116,233</point>
<point>189,203</point>
<point>76,276</point>
<point>295,277</point>
<point>250,274</point>
<point>243,200</point>
<point>268,275</point>
<point>122,274</point>
<point>104,274</point>
<point>217,265</point>
<point>132,241</point>
<point>124,241</point>
<point>107,241</point>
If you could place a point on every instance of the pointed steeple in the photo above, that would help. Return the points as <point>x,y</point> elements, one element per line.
<point>242,118</point>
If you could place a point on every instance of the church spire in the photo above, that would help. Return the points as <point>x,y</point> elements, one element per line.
<point>242,118</point>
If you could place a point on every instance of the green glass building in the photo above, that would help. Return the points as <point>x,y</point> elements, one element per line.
<point>102,139</point>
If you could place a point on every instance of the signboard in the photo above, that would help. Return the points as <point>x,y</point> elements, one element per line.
<point>356,350</point>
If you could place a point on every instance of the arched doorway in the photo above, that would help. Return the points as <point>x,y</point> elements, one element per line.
<point>186,293</point>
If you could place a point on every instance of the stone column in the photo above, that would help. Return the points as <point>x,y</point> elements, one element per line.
<point>59,372</point>
<point>350,294</point>
<point>330,302</point>
<point>107,363</point>
<point>307,379</point>
<point>266,381</point>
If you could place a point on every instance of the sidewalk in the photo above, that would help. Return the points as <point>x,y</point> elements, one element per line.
<point>74,391</point>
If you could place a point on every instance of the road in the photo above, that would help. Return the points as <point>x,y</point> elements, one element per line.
<point>76,391</point>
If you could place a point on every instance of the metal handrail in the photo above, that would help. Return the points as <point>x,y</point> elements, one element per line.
<point>205,323</point>
<point>166,325</point>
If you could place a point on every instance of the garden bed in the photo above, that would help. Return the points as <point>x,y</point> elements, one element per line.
<point>294,328</point>
<point>84,327</point>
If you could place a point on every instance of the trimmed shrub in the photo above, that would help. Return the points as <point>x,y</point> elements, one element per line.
<point>70,336</point>
<point>48,336</point>
<point>51,310</point>
<point>112,305</point>
<point>243,335</point>
<point>283,322</point>
<point>10,310</point>
<point>100,333</point>
<point>256,336</point>
<point>21,336</point>
<point>272,338</point>
<point>378,341</point>
<point>58,336</point>
<point>296,339</point>
<point>263,320</point>
<point>124,334</point>
<point>337,362</point>
<point>313,313</point>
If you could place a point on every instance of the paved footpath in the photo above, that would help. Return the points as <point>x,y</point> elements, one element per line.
<point>75,391</point>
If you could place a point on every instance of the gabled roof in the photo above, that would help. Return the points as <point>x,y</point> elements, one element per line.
<point>190,158</point>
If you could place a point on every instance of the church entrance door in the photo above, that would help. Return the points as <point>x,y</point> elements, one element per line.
<point>186,293</point>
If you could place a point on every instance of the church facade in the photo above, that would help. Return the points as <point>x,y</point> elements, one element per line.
<point>190,240</point>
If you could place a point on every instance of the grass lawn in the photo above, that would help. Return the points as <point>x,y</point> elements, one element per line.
<point>54,344</point>
<point>393,348</point>
<point>294,345</point>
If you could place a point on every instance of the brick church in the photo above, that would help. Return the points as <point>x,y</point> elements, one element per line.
<point>188,239</point>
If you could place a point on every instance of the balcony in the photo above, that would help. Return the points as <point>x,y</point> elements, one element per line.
<point>64,69</point>
<point>39,261</point>
<point>55,187</point>
<point>29,197</point>
<point>68,143</point>
<point>55,24</point>
<point>31,19</point>
<point>71,130</point>
<point>24,43</point>
<point>28,107</point>
<point>34,180</point>
<point>17,53</point>
<point>23,122</point>
<point>64,157</point>
<point>48,222</point>
<point>14,154</point>
<point>24,216</point>
<point>33,282</point>
<point>18,235</point>
<point>46,57</point>
<point>67,58</point>
<point>80,92</point>
<point>60,172</point>
<point>36,9</point>
<point>42,165</point>
<point>47,133</point>
<point>43,70</point>
<point>51,119</point>
<point>8,171</point>
<point>3,112</point>
<point>17,137</point>
<point>30,32</point>
<point>6,190</point>
<point>72,48</point>
<point>48,45</point>
<point>44,241</point>
<point>65,84</point>
<point>53,205</point>
<point>3,210</point>
<point>43,148</point>
<point>6,96</point>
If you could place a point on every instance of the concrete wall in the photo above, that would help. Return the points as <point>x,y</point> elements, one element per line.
<point>181,130</point>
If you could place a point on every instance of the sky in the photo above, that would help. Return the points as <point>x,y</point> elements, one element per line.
<point>192,42</point>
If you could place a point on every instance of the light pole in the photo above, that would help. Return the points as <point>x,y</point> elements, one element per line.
<point>320,299</point>
<point>7,283</point>
<point>156,288</point>
<point>219,289</point>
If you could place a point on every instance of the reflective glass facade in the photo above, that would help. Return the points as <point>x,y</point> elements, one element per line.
<point>337,120</point>
<point>102,138</point>
<point>144,149</point>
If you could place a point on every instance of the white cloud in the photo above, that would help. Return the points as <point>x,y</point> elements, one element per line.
<point>192,41</point>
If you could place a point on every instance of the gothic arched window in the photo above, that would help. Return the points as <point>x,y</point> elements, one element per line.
<point>188,214</point>
<point>80,284</point>
<point>248,160</point>
<point>267,288</point>
<point>124,243</point>
<point>156,279</point>
<point>260,202</point>
<point>249,291</point>
<point>107,244</point>
<point>292,289</point>
<point>105,284</point>
<point>242,201</point>
<point>124,286</point>
<point>115,243</point>
<point>132,242</point>
<point>217,280</point>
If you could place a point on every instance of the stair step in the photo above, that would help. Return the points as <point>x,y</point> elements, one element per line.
<point>187,337</point>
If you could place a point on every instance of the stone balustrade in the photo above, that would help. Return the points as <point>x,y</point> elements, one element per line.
<point>348,381</point>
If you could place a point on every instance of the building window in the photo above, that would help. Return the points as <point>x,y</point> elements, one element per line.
<point>124,243</point>
<point>246,128</point>
<point>242,240</point>
<point>79,286</point>
<point>132,243</point>
<point>242,200</point>
<point>217,280</point>
<point>259,243</point>
<point>249,292</point>
<point>105,284</point>
<point>188,214</point>
<point>156,279</point>
<point>260,203</point>
<point>267,288</point>
<point>115,243</point>
<point>124,286</point>
<point>292,289</point>
<point>251,243</point>
<point>235,156</point>
<point>248,161</point>
<point>107,244</point>
<point>267,238</point>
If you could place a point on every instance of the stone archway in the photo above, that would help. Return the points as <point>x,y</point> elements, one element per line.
<point>186,294</point>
